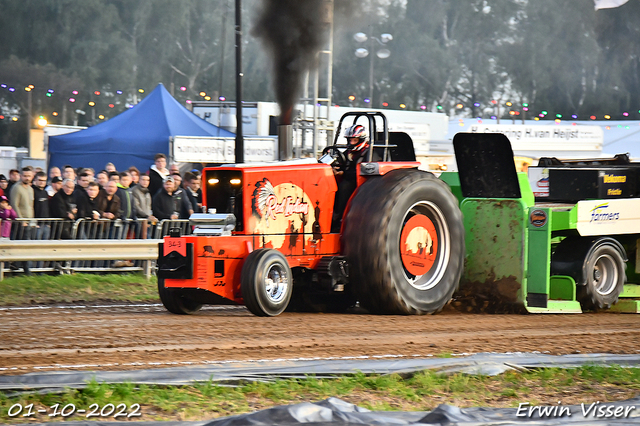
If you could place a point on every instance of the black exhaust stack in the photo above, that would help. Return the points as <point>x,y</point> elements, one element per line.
<point>294,32</point>
<point>285,142</point>
<point>285,135</point>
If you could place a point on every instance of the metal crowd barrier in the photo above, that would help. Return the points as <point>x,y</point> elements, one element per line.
<point>87,229</point>
<point>163,227</point>
<point>144,251</point>
<point>38,229</point>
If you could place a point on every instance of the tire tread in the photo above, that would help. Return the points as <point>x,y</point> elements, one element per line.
<point>370,211</point>
<point>175,302</point>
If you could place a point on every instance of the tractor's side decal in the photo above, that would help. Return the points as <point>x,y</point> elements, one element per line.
<point>263,191</point>
<point>287,207</point>
<point>283,214</point>
<point>207,251</point>
<point>317,231</point>
<point>265,203</point>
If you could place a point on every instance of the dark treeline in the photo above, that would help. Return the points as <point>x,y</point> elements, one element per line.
<point>455,56</point>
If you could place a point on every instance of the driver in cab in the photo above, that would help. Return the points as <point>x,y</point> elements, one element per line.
<point>346,174</point>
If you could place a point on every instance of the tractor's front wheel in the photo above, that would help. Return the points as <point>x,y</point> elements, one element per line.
<point>176,301</point>
<point>266,282</point>
<point>404,240</point>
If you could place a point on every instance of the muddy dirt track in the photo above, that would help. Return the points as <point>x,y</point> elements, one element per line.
<point>118,336</point>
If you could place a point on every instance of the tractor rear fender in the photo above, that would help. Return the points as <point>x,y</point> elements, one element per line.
<point>568,258</point>
<point>368,170</point>
<point>375,170</point>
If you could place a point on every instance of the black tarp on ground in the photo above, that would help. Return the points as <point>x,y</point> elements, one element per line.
<point>270,370</point>
<point>335,412</point>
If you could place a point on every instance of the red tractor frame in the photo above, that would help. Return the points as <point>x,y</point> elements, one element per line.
<point>269,245</point>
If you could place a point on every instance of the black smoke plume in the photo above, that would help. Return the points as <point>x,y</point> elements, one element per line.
<point>293,32</point>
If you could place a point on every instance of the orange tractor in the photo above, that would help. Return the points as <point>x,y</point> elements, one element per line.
<point>268,244</point>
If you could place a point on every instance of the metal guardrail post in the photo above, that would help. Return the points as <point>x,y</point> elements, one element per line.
<point>146,268</point>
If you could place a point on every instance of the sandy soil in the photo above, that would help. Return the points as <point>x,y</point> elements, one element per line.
<point>143,336</point>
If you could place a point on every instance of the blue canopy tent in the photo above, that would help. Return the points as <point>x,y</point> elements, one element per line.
<point>133,137</point>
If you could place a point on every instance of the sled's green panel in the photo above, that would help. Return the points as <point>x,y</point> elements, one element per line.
<point>496,247</point>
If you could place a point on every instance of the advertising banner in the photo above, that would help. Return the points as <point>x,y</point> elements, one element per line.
<point>547,138</point>
<point>608,217</point>
<point>222,150</point>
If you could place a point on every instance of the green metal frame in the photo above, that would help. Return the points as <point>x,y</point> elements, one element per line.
<point>508,255</point>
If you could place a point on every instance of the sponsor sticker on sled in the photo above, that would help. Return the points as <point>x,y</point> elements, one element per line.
<point>539,181</point>
<point>538,218</point>
<point>608,217</point>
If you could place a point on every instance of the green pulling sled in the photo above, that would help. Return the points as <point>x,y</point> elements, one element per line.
<point>562,239</point>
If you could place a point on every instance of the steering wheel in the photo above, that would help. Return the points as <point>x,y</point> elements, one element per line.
<point>337,154</point>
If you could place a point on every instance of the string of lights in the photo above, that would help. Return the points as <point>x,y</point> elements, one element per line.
<point>96,99</point>
<point>74,97</point>
<point>513,111</point>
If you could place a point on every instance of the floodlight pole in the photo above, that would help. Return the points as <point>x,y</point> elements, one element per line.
<point>239,138</point>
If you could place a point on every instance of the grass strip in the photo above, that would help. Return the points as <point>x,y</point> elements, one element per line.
<point>421,392</point>
<point>42,289</point>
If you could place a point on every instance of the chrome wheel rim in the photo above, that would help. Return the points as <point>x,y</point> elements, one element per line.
<point>604,275</point>
<point>276,283</point>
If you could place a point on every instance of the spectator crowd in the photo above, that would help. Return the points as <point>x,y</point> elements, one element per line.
<point>71,194</point>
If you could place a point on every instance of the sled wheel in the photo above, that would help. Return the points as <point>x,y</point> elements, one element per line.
<point>597,266</point>
<point>176,301</point>
<point>604,278</point>
<point>404,240</point>
<point>266,282</point>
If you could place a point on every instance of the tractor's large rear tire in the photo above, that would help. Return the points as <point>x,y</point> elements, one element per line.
<point>404,241</point>
<point>266,282</point>
<point>176,301</point>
